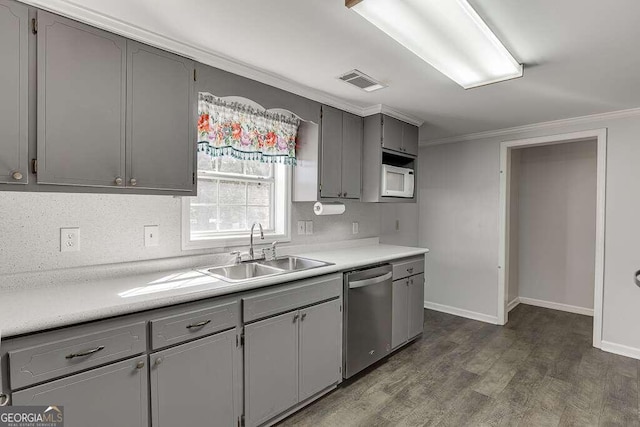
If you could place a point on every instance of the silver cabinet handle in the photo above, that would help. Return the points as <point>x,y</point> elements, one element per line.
<point>410,270</point>
<point>199,324</point>
<point>159,361</point>
<point>372,281</point>
<point>637,277</point>
<point>118,181</point>
<point>85,353</point>
<point>303,316</point>
<point>344,194</point>
<point>16,175</point>
<point>4,399</point>
<point>140,365</point>
<point>295,317</point>
<point>133,181</point>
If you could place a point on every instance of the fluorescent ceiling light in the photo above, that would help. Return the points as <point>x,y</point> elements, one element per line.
<point>448,34</point>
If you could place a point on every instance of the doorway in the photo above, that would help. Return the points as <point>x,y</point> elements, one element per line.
<point>543,200</point>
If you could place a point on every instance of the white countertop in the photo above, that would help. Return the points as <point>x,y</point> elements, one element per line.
<point>34,309</point>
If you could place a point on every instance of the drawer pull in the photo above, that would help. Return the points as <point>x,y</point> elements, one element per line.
<point>303,316</point>
<point>295,318</point>
<point>85,353</point>
<point>4,399</point>
<point>199,324</point>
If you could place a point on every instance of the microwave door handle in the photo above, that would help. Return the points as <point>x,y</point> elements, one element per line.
<point>372,281</point>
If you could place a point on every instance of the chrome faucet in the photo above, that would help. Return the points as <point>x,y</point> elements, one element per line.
<point>251,238</point>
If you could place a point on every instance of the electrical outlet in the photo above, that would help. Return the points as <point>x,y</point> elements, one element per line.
<point>309,227</point>
<point>355,228</point>
<point>302,228</point>
<point>69,239</point>
<point>151,236</point>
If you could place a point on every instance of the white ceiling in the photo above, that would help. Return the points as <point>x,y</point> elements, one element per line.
<point>581,56</point>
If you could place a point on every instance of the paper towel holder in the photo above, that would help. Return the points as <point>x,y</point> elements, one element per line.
<point>329,208</point>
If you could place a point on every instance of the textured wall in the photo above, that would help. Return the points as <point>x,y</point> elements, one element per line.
<point>112,228</point>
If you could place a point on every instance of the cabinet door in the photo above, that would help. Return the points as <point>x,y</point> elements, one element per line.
<point>270,367</point>
<point>410,139</point>
<point>81,103</point>
<point>391,133</point>
<point>114,395</point>
<point>351,156</point>
<point>399,313</point>
<point>194,384</point>
<point>320,347</point>
<point>14,49</point>
<point>160,119</point>
<point>416,305</point>
<point>331,161</point>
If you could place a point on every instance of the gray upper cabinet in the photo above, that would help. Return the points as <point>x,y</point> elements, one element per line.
<point>331,162</point>
<point>271,367</point>
<point>114,395</point>
<point>81,104</point>
<point>399,136</point>
<point>416,305</point>
<point>351,156</point>
<point>160,119</point>
<point>320,347</point>
<point>196,384</point>
<point>14,49</point>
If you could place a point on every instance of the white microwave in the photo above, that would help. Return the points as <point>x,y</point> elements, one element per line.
<point>397,182</point>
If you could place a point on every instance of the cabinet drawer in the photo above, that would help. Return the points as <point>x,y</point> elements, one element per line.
<point>296,295</point>
<point>182,327</point>
<point>407,267</point>
<point>58,357</point>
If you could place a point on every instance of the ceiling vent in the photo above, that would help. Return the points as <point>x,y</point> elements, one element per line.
<point>361,81</point>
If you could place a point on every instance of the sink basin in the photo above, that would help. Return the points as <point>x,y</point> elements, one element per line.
<point>242,272</point>
<point>292,263</point>
<point>256,269</point>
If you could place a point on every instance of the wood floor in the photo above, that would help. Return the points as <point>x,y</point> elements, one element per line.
<point>539,370</point>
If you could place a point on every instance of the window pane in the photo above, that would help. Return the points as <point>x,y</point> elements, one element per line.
<point>203,218</point>
<point>259,194</point>
<point>258,214</point>
<point>232,193</point>
<point>207,192</point>
<point>205,162</point>
<point>233,218</point>
<point>255,168</point>
<point>229,164</point>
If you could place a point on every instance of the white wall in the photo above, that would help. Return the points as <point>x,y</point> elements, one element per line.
<point>557,223</point>
<point>399,224</point>
<point>459,188</point>
<point>112,228</point>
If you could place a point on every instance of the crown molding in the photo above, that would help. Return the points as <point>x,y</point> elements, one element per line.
<point>612,115</point>
<point>385,109</point>
<point>199,54</point>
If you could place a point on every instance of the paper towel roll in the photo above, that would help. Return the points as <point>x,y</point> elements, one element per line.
<point>329,208</point>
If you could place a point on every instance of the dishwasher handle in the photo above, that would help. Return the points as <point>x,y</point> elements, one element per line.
<point>372,281</point>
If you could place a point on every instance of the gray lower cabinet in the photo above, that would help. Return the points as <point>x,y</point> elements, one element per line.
<point>114,395</point>
<point>81,104</point>
<point>270,367</point>
<point>196,384</point>
<point>400,308</point>
<point>416,305</point>
<point>14,49</point>
<point>161,119</point>
<point>320,348</point>
<point>408,309</point>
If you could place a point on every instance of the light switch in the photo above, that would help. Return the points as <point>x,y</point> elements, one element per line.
<point>151,236</point>
<point>355,228</point>
<point>309,227</point>
<point>69,239</point>
<point>301,228</point>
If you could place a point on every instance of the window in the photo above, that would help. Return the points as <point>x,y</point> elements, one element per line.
<point>232,195</point>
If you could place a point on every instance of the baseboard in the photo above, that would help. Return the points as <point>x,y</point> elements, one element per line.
<point>620,349</point>
<point>556,306</point>
<point>461,312</point>
<point>513,304</point>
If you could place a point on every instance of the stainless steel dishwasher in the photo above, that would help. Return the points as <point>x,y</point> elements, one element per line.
<point>367,317</point>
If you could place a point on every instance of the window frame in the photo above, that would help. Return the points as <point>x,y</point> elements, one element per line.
<point>281,195</point>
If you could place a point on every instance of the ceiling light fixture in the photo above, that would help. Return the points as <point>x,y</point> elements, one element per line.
<point>447,34</point>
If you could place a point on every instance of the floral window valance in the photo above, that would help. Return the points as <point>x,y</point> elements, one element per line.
<point>244,132</point>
